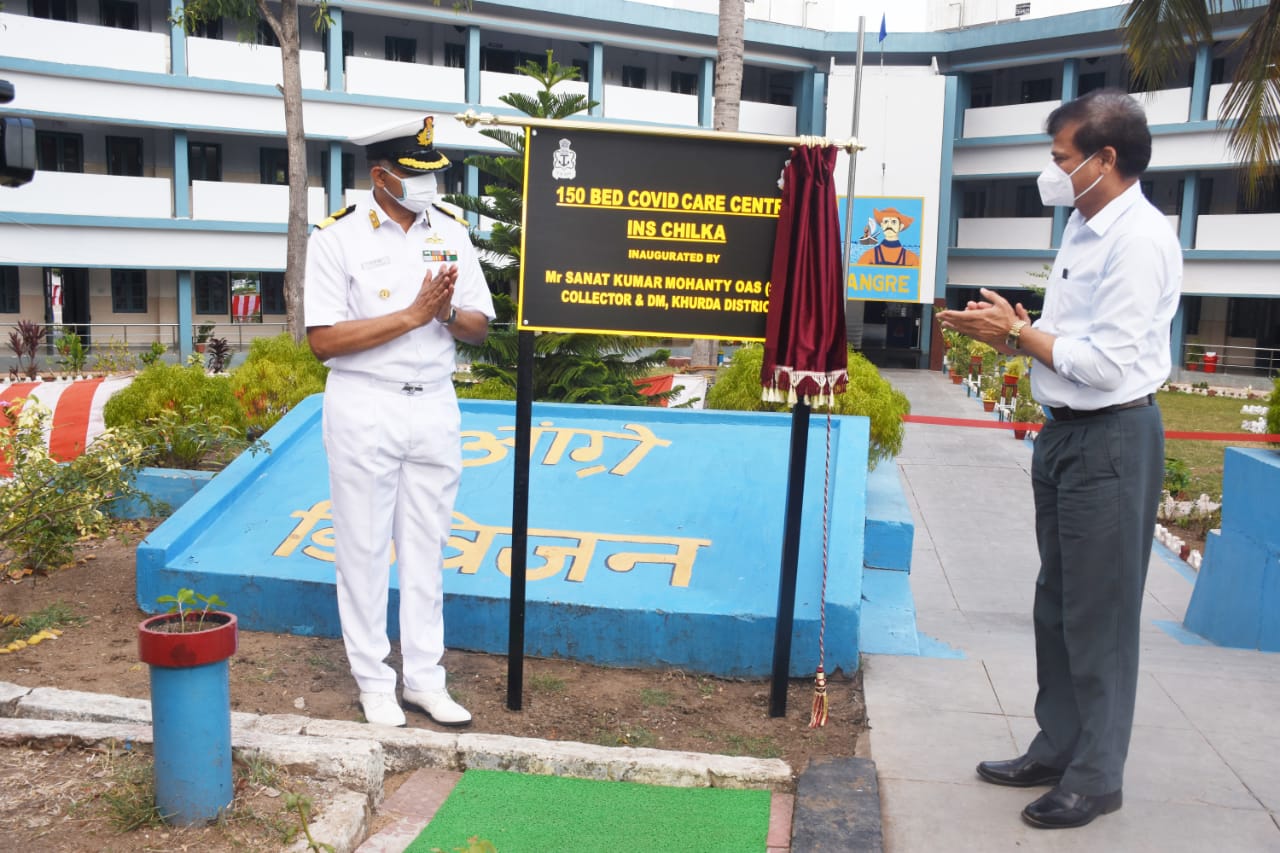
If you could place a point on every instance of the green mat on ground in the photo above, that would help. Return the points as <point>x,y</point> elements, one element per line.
<point>538,814</point>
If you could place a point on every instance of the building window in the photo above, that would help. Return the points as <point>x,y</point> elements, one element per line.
<point>1191,315</point>
<point>633,76</point>
<point>1027,202</point>
<point>124,156</point>
<point>121,14</point>
<point>584,69</point>
<point>1092,80</point>
<point>208,29</point>
<point>684,83</point>
<point>974,205</point>
<point>1243,314</point>
<point>348,170</point>
<point>9,297</point>
<point>59,152</point>
<point>402,49</point>
<point>129,291</point>
<point>58,10</point>
<point>1033,91</point>
<point>273,166</point>
<point>266,35</point>
<point>272,293</point>
<point>205,161</point>
<point>212,289</point>
<point>455,56</point>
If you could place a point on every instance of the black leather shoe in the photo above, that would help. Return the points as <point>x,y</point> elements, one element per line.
<point>1018,773</point>
<point>1061,809</point>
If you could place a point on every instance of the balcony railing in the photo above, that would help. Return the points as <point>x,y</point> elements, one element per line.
<point>23,37</point>
<point>1238,360</point>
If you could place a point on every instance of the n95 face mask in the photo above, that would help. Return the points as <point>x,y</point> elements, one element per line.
<point>1056,188</point>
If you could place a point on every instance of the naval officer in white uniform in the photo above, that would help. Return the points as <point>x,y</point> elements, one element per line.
<point>392,281</point>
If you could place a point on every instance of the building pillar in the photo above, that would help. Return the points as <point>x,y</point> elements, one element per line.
<point>1190,207</point>
<point>811,113</point>
<point>963,85</point>
<point>185,313</point>
<point>595,79</point>
<point>177,42</point>
<point>1070,79</point>
<point>471,187</point>
<point>181,176</point>
<point>333,53</point>
<point>1060,215</point>
<point>1201,80</point>
<point>472,71</point>
<point>1177,337</point>
<point>707,93</point>
<point>335,188</point>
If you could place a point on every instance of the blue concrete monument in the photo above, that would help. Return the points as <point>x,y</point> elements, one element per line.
<point>1236,601</point>
<point>654,534</point>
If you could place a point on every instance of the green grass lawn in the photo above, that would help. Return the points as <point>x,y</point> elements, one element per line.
<point>1193,412</point>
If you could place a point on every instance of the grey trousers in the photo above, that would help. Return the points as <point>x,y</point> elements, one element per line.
<point>1097,483</point>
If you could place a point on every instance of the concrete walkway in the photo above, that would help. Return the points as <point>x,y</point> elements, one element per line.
<point>1204,765</point>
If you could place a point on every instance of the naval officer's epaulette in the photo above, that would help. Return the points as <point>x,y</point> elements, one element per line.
<point>453,214</point>
<point>334,217</point>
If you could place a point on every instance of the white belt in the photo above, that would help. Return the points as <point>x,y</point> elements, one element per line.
<point>409,388</point>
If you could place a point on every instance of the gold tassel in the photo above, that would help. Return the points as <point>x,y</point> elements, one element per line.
<point>819,716</point>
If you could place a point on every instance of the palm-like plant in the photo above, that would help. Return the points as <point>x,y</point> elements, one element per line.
<point>1160,38</point>
<point>568,367</point>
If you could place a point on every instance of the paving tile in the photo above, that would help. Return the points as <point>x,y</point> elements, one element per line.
<point>918,683</point>
<point>780,808</point>
<point>937,746</point>
<point>1252,756</point>
<point>1219,704</point>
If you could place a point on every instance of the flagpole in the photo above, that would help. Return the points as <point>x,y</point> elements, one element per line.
<point>853,309</point>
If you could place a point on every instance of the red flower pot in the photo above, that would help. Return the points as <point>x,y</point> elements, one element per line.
<point>160,647</point>
<point>1019,434</point>
<point>988,405</point>
<point>1010,380</point>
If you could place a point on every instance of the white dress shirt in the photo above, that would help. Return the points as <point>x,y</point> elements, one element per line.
<point>365,265</point>
<point>1110,298</point>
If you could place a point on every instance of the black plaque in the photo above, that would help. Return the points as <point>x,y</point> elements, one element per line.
<point>648,235</point>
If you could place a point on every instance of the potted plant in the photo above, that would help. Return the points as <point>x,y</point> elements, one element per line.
<point>1026,411</point>
<point>188,649</point>
<point>1195,356</point>
<point>989,393</point>
<point>203,333</point>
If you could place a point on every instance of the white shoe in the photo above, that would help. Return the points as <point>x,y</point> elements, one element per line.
<point>382,709</point>
<point>439,706</point>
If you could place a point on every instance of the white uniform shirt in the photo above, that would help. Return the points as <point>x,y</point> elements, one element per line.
<point>365,265</point>
<point>1110,298</point>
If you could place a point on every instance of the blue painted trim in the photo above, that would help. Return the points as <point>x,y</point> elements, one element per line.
<point>1070,78</point>
<point>1190,204</point>
<point>707,94</point>
<point>1173,561</point>
<point>1189,255</point>
<point>964,91</point>
<point>1200,83</point>
<point>177,43</point>
<point>1060,216</point>
<point>181,175</point>
<point>186,311</point>
<point>336,77</point>
<point>1002,253</point>
<point>947,227</point>
<point>143,223</point>
<point>804,103</point>
<point>471,75</point>
<point>471,185</point>
<point>1179,129</point>
<point>1177,334</point>
<point>334,188</point>
<point>595,79</point>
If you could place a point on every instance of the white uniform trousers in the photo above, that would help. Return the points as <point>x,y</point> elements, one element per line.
<point>394,463</point>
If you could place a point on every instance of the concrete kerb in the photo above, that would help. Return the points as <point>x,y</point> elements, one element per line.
<point>356,756</point>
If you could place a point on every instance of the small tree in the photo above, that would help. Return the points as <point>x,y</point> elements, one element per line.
<point>568,367</point>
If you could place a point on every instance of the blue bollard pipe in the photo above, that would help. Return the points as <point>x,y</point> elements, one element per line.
<point>191,726</point>
<point>190,712</point>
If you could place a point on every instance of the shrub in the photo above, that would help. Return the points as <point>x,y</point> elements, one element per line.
<point>189,391</point>
<point>490,389</point>
<point>868,394</point>
<point>1177,476</point>
<point>47,506</point>
<point>278,374</point>
<point>1273,411</point>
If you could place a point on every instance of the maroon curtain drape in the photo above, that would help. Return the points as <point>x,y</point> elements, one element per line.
<point>804,351</point>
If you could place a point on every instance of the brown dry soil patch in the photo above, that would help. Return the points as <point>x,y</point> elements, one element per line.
<point>286,674</point>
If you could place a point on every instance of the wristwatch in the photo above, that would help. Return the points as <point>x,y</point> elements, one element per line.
<point>1013,340</point>
<point>453,315</point>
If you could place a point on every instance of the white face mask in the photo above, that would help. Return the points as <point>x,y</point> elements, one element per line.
<point>1056,188</point>
<point>417,193</point>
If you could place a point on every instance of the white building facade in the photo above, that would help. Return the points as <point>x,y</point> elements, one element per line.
<point>162,155</point>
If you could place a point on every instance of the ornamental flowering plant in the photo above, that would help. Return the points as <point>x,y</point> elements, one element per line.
<point>47,506</point>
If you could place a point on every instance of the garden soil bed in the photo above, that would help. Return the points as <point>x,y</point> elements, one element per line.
<point>286,674</point>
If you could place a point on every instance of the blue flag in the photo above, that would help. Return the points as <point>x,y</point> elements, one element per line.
<point>883,31</point>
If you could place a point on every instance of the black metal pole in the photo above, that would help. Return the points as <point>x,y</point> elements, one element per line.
<point>790,557</point>
<point>519,521</point>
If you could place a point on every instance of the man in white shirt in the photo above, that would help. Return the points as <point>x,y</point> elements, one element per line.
<point>391,282</point>
<point>1101,349</point>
